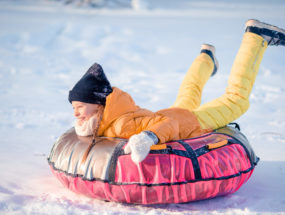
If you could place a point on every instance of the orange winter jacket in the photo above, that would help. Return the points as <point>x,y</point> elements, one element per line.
<point>123,118</point>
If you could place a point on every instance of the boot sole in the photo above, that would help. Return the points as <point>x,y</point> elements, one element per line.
<point>258,24</point>
<point>209,47</point>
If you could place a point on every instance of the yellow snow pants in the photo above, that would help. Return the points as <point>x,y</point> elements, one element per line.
<point>235,101</point>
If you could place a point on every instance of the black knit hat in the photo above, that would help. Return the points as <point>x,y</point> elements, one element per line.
<point>92,88</point>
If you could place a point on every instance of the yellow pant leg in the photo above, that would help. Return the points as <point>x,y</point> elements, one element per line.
<point>190,91</point>
<point>235,101</point>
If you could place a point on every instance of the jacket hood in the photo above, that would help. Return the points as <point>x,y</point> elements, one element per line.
<point>118,103</point>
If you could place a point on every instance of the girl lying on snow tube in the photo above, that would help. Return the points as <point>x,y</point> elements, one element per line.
<point>102,110</point>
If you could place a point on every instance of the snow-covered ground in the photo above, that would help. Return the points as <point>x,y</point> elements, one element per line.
<point>46,46</point>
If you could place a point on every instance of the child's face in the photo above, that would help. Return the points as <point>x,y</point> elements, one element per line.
<point>84,111</point>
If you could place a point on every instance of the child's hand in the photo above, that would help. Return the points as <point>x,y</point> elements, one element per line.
<point>139,145</point>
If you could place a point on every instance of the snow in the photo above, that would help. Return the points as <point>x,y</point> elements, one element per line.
<point>46,46</point>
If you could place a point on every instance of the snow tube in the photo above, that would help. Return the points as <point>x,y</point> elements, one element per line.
<point>211,165</point>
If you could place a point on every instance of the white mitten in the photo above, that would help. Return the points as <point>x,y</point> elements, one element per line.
<point>139,145</point>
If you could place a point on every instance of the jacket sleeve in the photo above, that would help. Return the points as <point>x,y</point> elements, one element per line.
<point>165,128</point>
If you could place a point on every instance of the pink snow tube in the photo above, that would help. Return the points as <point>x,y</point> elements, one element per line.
<point>187,170</point>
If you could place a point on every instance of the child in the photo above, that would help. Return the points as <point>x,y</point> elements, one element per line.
<point>102,110</point>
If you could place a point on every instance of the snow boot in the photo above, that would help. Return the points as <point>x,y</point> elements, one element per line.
<point>210,50</point>
<point>272,34</point>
